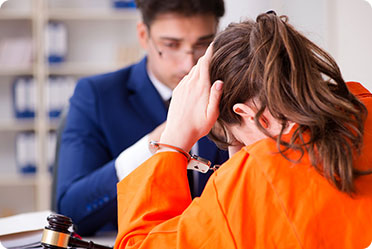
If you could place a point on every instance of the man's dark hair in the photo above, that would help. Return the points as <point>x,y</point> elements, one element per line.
<point>150,9</point>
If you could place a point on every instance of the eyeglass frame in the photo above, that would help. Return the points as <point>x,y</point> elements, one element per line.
<point>192,51</point>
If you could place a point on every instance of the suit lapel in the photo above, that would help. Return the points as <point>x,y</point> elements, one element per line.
<point>144,98</point>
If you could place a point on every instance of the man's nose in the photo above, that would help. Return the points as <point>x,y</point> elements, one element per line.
<point>188,61</point>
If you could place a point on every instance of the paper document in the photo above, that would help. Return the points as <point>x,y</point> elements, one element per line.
<point>23,230</point>
<point>24,222</point>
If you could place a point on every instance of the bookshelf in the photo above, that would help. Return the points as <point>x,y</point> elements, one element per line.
<point>15,71</point>
<point>103,15</point>
<point>15,15</point>
<point>99,37</point>
<point>13,125</point>
<point>81,68</point>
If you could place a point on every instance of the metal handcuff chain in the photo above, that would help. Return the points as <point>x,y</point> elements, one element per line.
<point>195,162</point>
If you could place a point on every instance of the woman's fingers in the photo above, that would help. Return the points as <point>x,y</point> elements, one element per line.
<point>200,72</point>
<point>214,100</point>
<point>204,65</point>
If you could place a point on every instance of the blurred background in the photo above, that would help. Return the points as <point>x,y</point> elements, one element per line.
<point>46,45</point>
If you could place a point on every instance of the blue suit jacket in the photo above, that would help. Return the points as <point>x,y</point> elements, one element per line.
<point>107,114</point>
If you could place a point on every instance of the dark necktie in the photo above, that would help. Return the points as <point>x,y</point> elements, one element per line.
<point>167,103</point>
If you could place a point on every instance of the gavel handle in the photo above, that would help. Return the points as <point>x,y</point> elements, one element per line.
<point>75,242</point>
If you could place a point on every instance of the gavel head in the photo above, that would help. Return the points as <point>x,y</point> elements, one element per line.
<point>56,235</point>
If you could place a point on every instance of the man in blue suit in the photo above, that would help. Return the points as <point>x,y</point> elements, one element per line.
<point>113,116</point>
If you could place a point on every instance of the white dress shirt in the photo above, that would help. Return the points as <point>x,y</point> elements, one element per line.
<point>130,158</point>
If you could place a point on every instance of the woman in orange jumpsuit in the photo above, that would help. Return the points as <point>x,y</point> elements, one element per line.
<point>300,142</point>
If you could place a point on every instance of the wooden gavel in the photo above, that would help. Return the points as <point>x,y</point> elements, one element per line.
<point>57,235</point>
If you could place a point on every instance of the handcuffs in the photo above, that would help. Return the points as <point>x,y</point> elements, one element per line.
<point>195,162</point>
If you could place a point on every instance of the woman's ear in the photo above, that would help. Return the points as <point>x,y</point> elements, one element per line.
<point>248,113</point>
<point>142,34</point>
<point>243,110</point>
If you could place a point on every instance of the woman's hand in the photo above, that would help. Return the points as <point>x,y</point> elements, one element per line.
<point>194,106</point>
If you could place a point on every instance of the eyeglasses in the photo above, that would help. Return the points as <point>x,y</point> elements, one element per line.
<point>173,52</point>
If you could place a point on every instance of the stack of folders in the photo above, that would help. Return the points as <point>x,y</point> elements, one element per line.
<point>24,97</point>
<point>59,90</point>
<point>118,4</point>
<point>56,42</point>
<point>26,151</point>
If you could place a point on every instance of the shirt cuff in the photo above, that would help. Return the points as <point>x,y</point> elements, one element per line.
<point>132,157</point>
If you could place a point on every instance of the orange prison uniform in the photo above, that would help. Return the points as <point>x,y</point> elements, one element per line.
<point>257,199</point>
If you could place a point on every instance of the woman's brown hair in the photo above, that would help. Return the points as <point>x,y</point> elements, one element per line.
<point>269,63</point>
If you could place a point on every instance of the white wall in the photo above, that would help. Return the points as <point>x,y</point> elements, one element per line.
<point>342,27</point>
<point>237,10</point>
<point>354,40</point>
<point>308,16</point>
